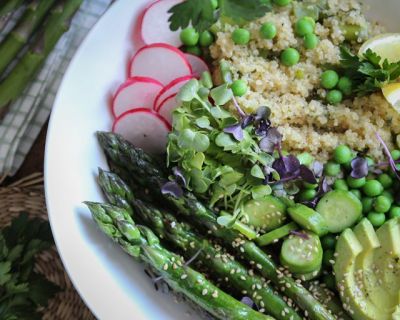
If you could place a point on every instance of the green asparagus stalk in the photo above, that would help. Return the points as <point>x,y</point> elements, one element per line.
<point>21,33</point>
<point>144,169</point>
<point>141,243</point>
<point>8,6</point>
<point>48,35</point>
<point>218,261</point>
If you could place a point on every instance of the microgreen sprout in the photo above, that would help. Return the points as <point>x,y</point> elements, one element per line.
<point>386,150</point>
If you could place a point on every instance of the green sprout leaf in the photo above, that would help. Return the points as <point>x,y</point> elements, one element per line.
<point>259,192</point>
<point>222,94</point>
<point>189,91</point>
<point>257,172</point>
<point>200,142</point>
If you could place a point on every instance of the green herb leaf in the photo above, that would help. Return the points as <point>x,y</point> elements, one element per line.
<point>241,11</point>
<point>189,91</point>
<point>5,268</point>
<point>201,142</point>
<point>257,172</point>
<point>203,123</point>
<point>226,221</point>
<point>222,95</point>
<point>258,192</point>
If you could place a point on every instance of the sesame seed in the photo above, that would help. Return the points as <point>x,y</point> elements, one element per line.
<point>262,310</point>
<point>204,292</point>
<point>259,266</point>
<point>165,267</point>
<point>184,276</point>
<point>215,294</point>
<point>243,278</point>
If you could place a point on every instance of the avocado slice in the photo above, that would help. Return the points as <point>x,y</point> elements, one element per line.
<point>367,270</point>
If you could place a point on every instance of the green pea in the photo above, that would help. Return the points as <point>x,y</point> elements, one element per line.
<point>328,257</point>
<point>239,88</point>
<point>195,50</point>
<point>334,97</point>
<point>290,57</point>
<point>394,212</point>
<point>189,36</point>
<point>376,219</point>
<point>307,195</point>
<point>214,4</point>
<point>329,79</point>
<point>311,41</point>
<point>367,204</point>
<point>345,85</point>
<point>332,169</point>
<point>206,38</point>
<point>304,26</point>
<point>268,31</point>
<point>373,188</point>
<point>385,180</point>
<point>342,154</point>
<point>241,36</point>
<point>388,194</point>
<point>357,193</point>
<point>382,204</point>
<point>305,158</point>
<point>330,281</point>
<point>340,184</point>
<point>356,183</point>
<point>328,241</point>
<point>395,154</point>
<point>282,3</point>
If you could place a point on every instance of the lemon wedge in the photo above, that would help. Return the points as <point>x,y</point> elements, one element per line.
<point>387,46</point>
<point>392,95</point>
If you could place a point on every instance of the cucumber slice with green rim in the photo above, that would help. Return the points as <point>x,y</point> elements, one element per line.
<point>267,213</point>
<point>301,255</point>
<point>276,234</point>
<point>308,276</point>
<point>340,209</point>
<point>309,219</point>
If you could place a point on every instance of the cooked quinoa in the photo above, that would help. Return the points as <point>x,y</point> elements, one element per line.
<point>295,95</point>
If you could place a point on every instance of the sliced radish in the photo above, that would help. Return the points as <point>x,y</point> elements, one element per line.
<point>136,91</point>
<point>198,65</point>
<point>170,89</point>
<point>155,25</point>
<point>144,129</point>
<point>167,107</point>
<point>159,61</point>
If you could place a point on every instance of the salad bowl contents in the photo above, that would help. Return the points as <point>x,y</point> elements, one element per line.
<point>254,159</point>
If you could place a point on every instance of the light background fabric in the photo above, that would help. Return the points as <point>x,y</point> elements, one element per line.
<point>21,125</point>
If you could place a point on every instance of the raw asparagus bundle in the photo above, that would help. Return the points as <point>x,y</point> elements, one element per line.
<point>166,226</point>
<point>150,176</point>
<point>50,32</point>
<point>19,36</point>
<point>141,243</point>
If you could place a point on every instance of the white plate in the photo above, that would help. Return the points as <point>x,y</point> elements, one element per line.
<point>112,285</point>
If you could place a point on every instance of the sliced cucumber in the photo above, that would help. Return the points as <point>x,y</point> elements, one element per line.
<point>301,255</point>
<point>340,209</point>
<point>276,234</point>
<point>267,213</point>
<point>309,219</point>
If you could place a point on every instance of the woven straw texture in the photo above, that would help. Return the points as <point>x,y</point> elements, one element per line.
<point>27,195</point>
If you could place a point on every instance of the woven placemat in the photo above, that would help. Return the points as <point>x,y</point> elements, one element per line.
<point>27,195</point>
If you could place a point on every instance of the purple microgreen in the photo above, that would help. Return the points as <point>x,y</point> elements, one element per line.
<point>359,168</point>
<point>287,166</point>
<point>271,141</point>
<point>307,175</point>
<point>262,128</point>
<point>323,187</point>
<point>247,120</point>
<point>172,188</point>
<point>242,114</point>
<point>386,150</point>
<point>318,168</point>
<point>262,113</point>
<point>179,175</point>
<point>299,234</point>
<point>247,301</point>
<point>235,130</point>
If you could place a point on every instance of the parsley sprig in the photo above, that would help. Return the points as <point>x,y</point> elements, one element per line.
<point>370,72</point>
<point>200,13</point>
<point>22,290</point>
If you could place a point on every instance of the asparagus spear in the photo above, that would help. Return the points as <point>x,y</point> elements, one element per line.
<point>21,33</point>
<point>141,243</point>
<point>9,5</point>
<point>166,226</point>
<point>145,170</point>
<point>49,34</point>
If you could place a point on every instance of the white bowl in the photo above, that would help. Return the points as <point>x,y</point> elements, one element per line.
<point>112,285</point>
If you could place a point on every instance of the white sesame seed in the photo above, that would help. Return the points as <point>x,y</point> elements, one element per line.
<point>165,267</point>
<point>204,292</point>
<point>215,294</point>
<point>184,276</point>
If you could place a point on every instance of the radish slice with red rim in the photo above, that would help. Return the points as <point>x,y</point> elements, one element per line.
<point>167,107</point>
<point>198,65</point>
<point>169,90</point>
<point>144,128</point>
<point>155,25</point>
<point>159,61</point>
<point>136,91</point>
